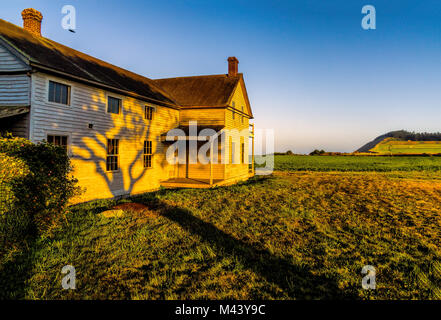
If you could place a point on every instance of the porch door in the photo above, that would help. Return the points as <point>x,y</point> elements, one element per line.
<point>195,171</point>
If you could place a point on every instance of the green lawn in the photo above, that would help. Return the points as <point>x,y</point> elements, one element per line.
<point>294,235</point>
<point>357,163</point>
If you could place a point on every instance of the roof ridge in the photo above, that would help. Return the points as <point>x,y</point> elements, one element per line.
<point>199,76</point>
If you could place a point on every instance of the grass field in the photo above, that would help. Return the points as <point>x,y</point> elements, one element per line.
<point>293,235</point>
<point>357,163</point>
<point>391,146</point>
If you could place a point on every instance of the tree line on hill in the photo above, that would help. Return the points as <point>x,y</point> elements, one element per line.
<point>416,136</point>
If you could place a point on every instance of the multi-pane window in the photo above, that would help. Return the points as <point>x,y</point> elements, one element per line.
<point>59,93</point>
<point>148,112</point>
<point>57,140</point>
<point>242,115</point>
<point>148,154</point>
<point>113,105</point>
<point>112,154</point>
<point>234,106</point>
<point>242,152</point>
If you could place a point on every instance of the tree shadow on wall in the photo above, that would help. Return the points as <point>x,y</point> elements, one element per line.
<point>129,127</point>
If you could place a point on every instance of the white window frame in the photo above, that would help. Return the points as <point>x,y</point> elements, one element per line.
<point>147,154</point>
<point>118,158</point>
<point>61,81</point>
<point>117,96</point>
<point>61,133</point>
<point>153,112</point>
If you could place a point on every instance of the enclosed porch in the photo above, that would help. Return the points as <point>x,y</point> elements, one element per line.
<point>189,174</point>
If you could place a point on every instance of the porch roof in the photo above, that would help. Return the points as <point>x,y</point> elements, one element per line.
<point>10,111</point>
<point>184,133</point>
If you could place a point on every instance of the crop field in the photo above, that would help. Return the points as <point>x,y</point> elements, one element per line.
<point>357,163</point>
<point>407,147</point>
<point>296,234</point>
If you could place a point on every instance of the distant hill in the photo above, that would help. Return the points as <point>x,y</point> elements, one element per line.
<point>401,135</point>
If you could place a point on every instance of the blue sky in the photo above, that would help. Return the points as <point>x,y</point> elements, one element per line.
<point>312,73</point>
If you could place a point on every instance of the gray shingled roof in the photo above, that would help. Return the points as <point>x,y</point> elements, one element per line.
<point>48,53</point>
<point>207,91</point>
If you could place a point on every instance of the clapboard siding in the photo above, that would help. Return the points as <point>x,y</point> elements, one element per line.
<point>14,89</point>
<point>87,147</point>
<point>203,116</point>
<point>238,128</point>
<point>9,62</point>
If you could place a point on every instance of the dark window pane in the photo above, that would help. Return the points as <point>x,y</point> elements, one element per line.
<point>113,105</point>
<point>148,113</point>
<point>148,161</point>
<point>64,95</point>
<point>51,91</point>
<point>58,140</point>
<point>58,92</point>
<point>148,154</point>
<point>112,154</point>
<point>112,163</point>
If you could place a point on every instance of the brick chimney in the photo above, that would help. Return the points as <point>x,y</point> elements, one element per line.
<point>232,66</point>
<point>32,21</point>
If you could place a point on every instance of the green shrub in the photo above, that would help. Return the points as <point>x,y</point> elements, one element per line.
<point>15,225</point>
<point>11,169</point>
<point>317,152</point>
<point>37,184</point>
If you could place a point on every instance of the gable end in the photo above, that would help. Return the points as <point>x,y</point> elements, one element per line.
<point>10,62</point>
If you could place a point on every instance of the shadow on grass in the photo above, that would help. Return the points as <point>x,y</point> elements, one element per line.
<point>296,281</point>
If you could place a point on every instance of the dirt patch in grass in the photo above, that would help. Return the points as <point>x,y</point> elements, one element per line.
<point>141,210</point>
